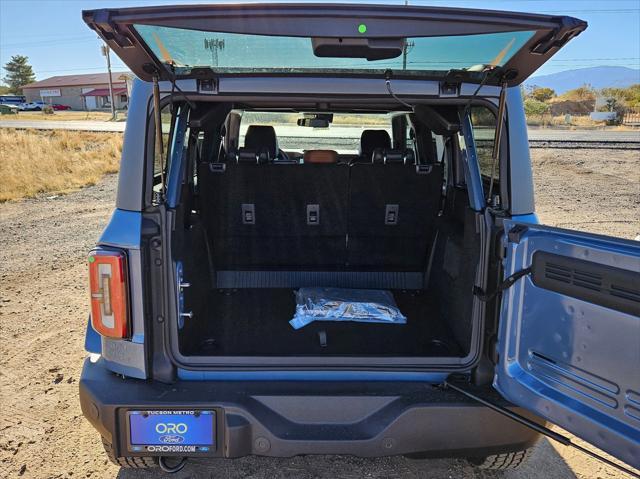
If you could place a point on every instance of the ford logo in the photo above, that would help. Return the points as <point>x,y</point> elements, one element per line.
<point>171,439</point>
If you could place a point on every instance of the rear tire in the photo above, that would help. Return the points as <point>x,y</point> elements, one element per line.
<point>502,462</point>
<point>129,462</point>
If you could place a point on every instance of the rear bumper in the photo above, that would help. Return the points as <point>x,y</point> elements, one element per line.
<point>284,419</point>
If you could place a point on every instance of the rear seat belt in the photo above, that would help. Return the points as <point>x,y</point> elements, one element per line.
<point>535,426</point>
<point>445,172</point>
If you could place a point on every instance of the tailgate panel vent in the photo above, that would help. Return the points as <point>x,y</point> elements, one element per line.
<point>607,286</point>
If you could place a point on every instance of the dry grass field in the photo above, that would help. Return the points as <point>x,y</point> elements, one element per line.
<point>65,115</point>
<point>56,161</point>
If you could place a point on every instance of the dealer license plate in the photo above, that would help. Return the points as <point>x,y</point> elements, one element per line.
<point>172,431</point>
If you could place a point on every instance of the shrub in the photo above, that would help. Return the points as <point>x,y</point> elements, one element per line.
<point>47,110</point>
<point>542,93</point>
<point>585,92</point>
<point>535,108</point>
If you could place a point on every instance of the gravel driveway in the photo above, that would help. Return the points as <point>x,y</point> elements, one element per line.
<point>43,314</point>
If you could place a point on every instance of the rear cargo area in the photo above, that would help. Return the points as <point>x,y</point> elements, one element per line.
<point>265,223</point>
<point>248,322</point>
<point>244,310</point>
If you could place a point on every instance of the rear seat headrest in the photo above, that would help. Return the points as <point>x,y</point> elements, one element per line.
<point>262,137</point>
<point>252,155</point>
<point>320,156</point>
<point>372,139</point>
<point>386,155</point>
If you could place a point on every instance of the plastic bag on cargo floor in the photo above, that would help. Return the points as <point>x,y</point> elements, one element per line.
<point>336,304</point>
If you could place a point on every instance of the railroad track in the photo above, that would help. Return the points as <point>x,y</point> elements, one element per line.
<point>352,141</point>
<point>585,145</point>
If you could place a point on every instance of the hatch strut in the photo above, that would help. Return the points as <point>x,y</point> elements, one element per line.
<point>497,140</point>
<point>538,428</point>
<point>506,284</point>
<point>158,126</point>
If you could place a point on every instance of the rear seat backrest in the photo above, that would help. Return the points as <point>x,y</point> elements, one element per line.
<point>321,216</point>
<point>260,215</point>
<point>392,210</point>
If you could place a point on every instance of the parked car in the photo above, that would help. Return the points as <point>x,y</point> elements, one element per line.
<point>32,106</point>
<point>58,107</point>
<point>236,191</point>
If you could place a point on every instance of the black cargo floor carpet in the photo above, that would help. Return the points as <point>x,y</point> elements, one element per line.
<point>255,322</point>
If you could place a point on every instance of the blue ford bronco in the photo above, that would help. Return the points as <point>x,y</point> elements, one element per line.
<point>303,161</point>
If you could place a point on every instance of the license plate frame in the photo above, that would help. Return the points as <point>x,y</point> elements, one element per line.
<point>180,432</point>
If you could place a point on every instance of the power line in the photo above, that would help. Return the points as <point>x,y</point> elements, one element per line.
<point>43,44</point>
<point>578,12</point>
<point>79,69</point>
<point>47,41</point>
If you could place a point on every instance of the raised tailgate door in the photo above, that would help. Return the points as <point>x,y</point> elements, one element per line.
<point>569,338</point>
<point>305,38</point>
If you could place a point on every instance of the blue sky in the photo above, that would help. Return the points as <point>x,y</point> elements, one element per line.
<point>57,42</point>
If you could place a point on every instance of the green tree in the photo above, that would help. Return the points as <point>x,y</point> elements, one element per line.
<point>543,94</point>
<point>4,90</point>
<point>535,108</point>
<point>19,74</point>
<point>632,95</point>
<point>629,96</point>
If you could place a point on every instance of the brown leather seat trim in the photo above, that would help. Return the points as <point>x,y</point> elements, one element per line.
<point>320,156</point>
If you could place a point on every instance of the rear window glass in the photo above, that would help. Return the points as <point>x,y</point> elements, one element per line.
<point>245,53</point>
<point>483,121</point>
<point>342,135</point>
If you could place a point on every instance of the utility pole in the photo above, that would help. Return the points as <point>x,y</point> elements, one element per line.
<point>214,44</point>
<point>408,45</point>
<point>105,52</point>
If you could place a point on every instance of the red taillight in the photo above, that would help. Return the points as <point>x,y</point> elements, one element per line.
<point>109,293</point>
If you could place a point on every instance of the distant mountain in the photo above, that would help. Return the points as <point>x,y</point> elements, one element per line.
<point>597,77</point>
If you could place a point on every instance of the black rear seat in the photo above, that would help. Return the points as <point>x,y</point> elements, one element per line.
<point>261,214</point>
<point>393,206</point>
<point>320,216</point>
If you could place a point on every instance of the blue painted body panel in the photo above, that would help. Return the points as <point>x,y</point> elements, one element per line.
<point>531,218</point>
<point>123,231</point>
<point>177,151</point>
<point>92,343</point>
<point>573,362</point>
<point>188,375</point>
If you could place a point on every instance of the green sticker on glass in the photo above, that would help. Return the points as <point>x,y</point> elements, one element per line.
<point>362,28</point>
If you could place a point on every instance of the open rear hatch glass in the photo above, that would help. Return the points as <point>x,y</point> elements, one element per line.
<point>335,40</point>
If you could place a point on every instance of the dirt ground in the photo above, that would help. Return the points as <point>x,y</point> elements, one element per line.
<point>43,314</point>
